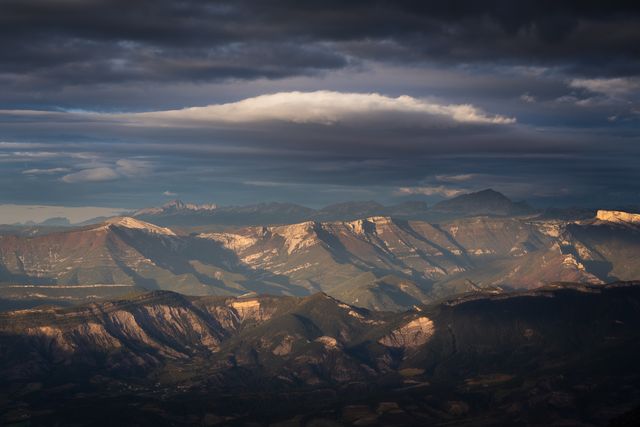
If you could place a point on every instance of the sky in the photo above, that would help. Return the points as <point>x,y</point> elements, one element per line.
<point>121,105</point>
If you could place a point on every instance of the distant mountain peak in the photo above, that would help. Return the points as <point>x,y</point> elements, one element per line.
<point>484,202</point>
<point>489,191</point>
<point>175,206</point>
<point>180,205</point>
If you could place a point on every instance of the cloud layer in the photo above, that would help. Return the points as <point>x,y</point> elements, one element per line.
<point>48,42</point>
<point>107,102</point>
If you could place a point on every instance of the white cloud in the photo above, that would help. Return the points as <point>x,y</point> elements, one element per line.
<point>35,154</point>
<point>321,107</point>
<point>169,193</point>
<point>51,171</point>
<point>613,87</point>
<point>91,175</point>
<point>439,190</point>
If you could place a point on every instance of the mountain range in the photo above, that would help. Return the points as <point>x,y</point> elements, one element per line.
<point>559,355</point>
<point>380,263</point>
<point>194,217</point>
<point>177,213</point>
<point>476,311</point>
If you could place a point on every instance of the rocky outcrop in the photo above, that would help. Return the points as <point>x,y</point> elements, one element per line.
<point>413,334</point>
<point>618,216</point>
<point>234,242</point>
<point>134,224</point>
<point>250,309</point>
<point>297,236</point>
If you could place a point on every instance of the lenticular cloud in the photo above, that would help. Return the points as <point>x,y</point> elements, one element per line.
<point>323,107</point>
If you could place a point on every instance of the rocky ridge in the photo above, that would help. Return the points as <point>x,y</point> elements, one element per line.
<point>378,262</point>
<point>618,216</point>
<point>477,358</point>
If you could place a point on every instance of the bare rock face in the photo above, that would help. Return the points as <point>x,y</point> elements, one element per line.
<point>618,216</point>
<point>134,224</point>
<point>298,236</point>
<point>84,337</point>
<point>234,242</point>
<point>329,343</point>
<point>413,334</point>
<point>133,332</point>
<point>250,309</point>
<point>285,346</point>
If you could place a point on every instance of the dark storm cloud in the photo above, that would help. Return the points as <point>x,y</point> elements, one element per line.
<point>48,43</point>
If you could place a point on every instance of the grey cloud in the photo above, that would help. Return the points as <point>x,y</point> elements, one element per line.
<point>49,44</point>
<point>612,87</point>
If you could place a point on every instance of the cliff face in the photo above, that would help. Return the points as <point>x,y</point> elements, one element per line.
<point>413,334</point>
<point>163,327</point>
<point>618,216</point>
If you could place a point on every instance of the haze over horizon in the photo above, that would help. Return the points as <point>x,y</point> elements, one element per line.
<point>244,102</point>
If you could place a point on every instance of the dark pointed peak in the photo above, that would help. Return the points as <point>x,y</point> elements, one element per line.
<point>489,192</point>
